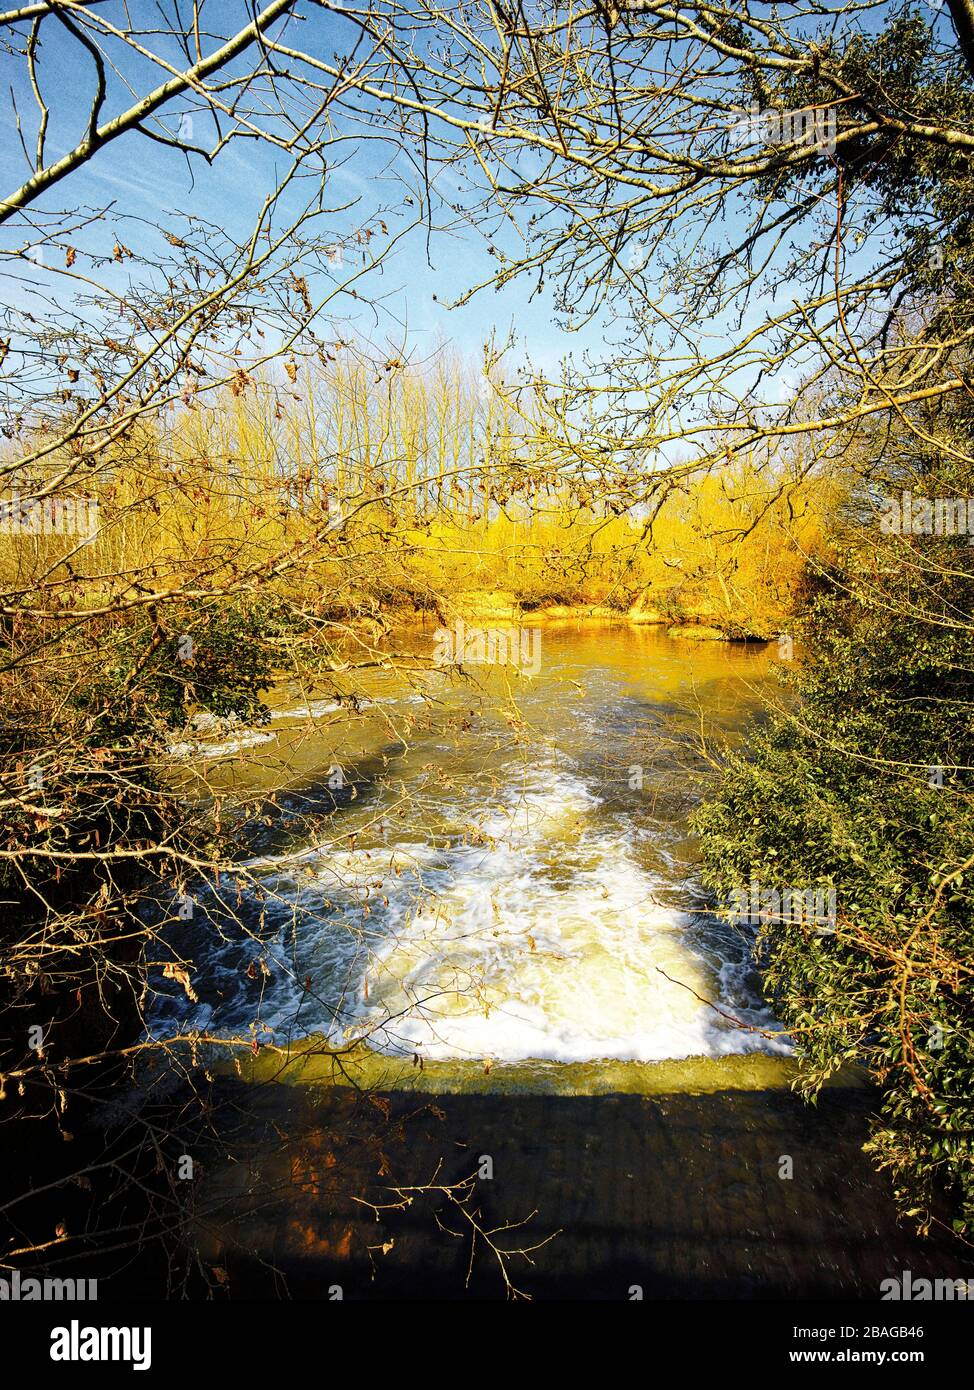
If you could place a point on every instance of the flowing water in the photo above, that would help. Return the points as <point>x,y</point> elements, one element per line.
<point>486,888</point>
<point>506,874</point>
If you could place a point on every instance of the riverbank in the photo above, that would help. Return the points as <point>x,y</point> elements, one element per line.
<point>490,607</point>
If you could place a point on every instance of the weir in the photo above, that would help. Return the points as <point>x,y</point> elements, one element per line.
<point>531,985</point>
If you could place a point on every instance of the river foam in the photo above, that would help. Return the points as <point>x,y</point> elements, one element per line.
<point>533,932</point>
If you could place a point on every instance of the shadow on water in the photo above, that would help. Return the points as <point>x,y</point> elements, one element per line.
<point>678,1194</point>
<point>564,889</point>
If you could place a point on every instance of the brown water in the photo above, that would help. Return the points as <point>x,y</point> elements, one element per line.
<point>488,893</point>
<point>505,878</point>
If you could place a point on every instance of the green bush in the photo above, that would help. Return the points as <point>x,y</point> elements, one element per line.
<point>860,779</point>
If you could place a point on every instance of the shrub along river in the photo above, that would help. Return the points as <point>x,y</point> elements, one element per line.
<point>482,893</point>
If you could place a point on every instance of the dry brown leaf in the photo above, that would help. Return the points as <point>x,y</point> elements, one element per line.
<point>171,971</point>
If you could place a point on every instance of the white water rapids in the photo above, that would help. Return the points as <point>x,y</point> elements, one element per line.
<point>537,918</point>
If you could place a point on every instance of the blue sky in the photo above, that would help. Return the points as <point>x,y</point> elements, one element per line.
<point>414,286</point>
<point>146,180</point>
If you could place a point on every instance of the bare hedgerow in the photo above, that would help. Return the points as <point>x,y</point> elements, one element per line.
<point>145,582</point>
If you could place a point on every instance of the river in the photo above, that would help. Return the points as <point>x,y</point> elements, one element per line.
<point>484,889</point>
